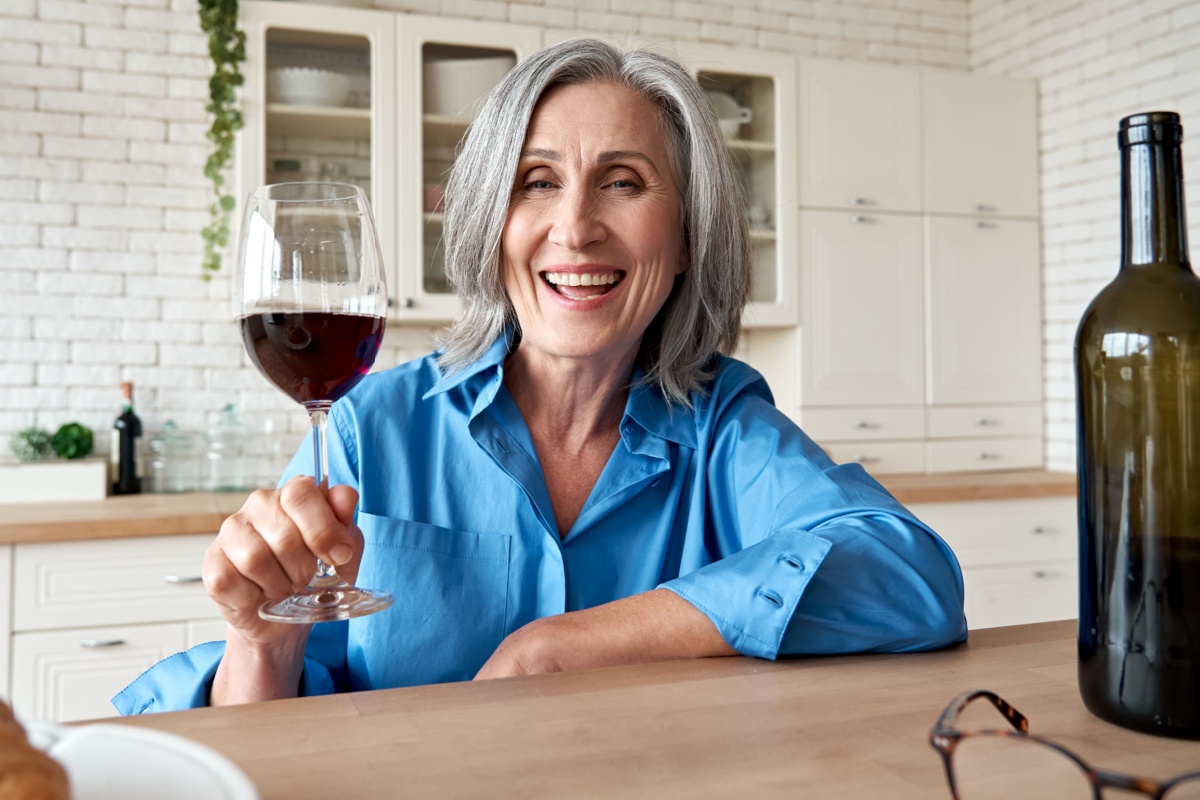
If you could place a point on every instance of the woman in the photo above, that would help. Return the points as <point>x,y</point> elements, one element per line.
<point>578,478</point>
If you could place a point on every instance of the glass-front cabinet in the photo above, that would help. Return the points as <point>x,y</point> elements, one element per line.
<point>754,97</point>
<point>319,103</point>
<point>445,70</point>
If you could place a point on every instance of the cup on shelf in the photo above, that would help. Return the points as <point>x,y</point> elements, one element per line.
<point>730,114</point>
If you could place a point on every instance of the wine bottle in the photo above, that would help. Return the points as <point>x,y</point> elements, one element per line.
<point>1137,367</point>
<point>125,468</point>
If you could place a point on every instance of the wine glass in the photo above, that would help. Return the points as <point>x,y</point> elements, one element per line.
<point>310,299</point>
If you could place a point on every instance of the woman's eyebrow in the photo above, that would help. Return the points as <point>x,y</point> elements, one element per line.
<point>606,157</point>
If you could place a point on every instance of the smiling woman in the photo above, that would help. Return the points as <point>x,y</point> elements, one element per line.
<point>581,476</point>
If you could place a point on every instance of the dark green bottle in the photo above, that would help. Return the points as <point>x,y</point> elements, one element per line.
<point>1137,367</point>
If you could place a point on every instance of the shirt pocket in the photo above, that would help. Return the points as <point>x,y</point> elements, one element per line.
<point>451,590</point>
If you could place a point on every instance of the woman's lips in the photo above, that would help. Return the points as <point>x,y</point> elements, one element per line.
<point>582,285</point>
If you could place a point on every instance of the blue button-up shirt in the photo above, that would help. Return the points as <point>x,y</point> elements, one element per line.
<point>728,504</point>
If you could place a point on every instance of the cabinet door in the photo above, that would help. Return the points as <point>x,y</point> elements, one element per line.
<point>862,309</point>
<point>1021,595</point>
<point>985,334</point>
<point>755,92</point>
<point>292,137</point>
<point>860,136</point>
<point>68,675</point>
<point>981,148</point>
<point>446,67</point>
<point>109,582</point>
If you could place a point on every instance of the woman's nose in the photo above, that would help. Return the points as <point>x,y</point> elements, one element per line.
<point>576,223</point>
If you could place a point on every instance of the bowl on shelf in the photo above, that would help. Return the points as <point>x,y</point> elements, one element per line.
<point>454,87</point>
<point>307,86</point>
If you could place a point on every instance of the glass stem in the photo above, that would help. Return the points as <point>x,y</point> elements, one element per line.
<point>318,414</point>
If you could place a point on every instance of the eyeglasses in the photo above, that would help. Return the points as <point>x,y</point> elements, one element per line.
<point>985,764</point>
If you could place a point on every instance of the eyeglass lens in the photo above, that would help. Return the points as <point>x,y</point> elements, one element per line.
<point>1002,768</point>
<point>1187,790</point>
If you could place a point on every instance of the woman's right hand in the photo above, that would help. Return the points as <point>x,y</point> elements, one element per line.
<point>268,549</point>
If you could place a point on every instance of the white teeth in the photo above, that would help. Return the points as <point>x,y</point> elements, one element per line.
<point>577,279</point>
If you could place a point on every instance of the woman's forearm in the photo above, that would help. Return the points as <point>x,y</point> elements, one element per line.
<point>250,672</point>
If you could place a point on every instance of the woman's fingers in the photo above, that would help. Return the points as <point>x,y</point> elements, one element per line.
<point>310,511</point>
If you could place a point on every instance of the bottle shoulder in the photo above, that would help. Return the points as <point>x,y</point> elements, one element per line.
<point>1145,300</point>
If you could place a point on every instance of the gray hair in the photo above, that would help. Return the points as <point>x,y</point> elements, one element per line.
<point>702,316</point>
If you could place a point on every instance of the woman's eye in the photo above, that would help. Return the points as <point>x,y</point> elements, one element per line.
<point>625,183</point>
<point>538,184</point>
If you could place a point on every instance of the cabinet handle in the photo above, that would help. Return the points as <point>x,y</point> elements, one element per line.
<point>984,225</point>
<point>984,208</point>
<point>865,459</point>
<point>1045,574</point>
<point>96,644</point>
<point>863,425</point>
<point>983,455</point>
<point>408,302</point>
<point>860,201</point>
<point>177,579</point>
<point>987,422</point>
<point>859,219</point>
<point>1042,530</point>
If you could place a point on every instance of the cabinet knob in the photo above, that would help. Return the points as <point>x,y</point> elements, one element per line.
<point>987,422</point>
<point>863,425</point>
<point>984,225</point>
<point>408,302</point>
<point>1045,574</point>
<point>95,644</point>
<point>179,579</point>
<point>983,455</point>
<point>1042,530</point>
<point>859,219</point>
<point>865,459</point>
<point>984,208</point>
<point>860,201</point>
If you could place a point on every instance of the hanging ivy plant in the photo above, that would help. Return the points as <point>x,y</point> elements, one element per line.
<point>227,48</point>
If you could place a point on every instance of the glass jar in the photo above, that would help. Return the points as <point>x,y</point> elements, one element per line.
<point>174,461</point>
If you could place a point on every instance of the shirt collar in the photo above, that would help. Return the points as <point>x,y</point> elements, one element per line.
<point>645,406</point>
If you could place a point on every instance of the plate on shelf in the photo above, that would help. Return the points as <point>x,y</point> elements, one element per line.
<point>121,762</point>
<point>307,86</point>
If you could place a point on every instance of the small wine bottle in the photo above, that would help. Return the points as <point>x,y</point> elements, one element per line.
<point>124,466</point>
<point>1137,363</point>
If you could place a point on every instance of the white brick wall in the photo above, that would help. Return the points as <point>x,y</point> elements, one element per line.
<point>101,192</point>
<point>1096,61</point>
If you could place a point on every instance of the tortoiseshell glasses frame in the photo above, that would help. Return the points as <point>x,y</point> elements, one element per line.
<point>946,736</point>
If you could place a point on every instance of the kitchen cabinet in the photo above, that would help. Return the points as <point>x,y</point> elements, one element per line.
<point>980,144</point>
<point>1018,557</point>
<point>89,617</point>
<point>860,136</point>
<point>763,86</point>
<point>445,69</point>
<point>388,135</point>
<point>916,300</point>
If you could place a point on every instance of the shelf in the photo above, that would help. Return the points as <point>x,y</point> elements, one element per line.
<point>445,130</point>
<point>750,145</point>
<point>762,235</point>
<point>320,122</point>
<point>434,217</point>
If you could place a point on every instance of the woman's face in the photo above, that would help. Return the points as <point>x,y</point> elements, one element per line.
<point>592,243</point>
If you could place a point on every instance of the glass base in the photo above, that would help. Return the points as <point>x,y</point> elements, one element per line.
<point>326,603</point>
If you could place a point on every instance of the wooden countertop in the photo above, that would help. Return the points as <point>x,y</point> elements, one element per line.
<point>173,514</point>
<point>835,727</point>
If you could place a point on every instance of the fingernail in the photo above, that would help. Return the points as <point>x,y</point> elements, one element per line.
<point>340,554</point>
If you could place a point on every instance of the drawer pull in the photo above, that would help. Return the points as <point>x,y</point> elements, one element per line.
<point>1041,530</point>
<point>863,425</point>
<point>865,459</point>
<point>859,219</point>
<point>984,208</point>
<point>985,226</point>
<point>983,455</point>
<point>986,422</point>
<point>96,644</point>
<point>1045,574</point>
<point>178,579</point>
<point>859,201</point>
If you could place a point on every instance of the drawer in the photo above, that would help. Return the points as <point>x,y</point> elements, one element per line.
<point>880,458</point>
<point>62,676</point>
<point>1018,595</point>
<point>1003,532</point>
<point>109,582</point>
<point>946,422</point>
<point>857,424</point>
<point>983,455</point>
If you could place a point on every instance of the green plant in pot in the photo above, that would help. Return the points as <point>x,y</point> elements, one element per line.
<point>72,440</point>
<point>227,48</point>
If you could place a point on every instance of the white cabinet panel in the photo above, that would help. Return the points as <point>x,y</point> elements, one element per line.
<point>980,421</point>
<point>858,424</point>
<point>1023,594</point>
<point>861,290</point>
<point>880,458</point>
<point>984,338</point>
<point>111,581</point>
<point>71,675</point>
<point>860,136</point>
<point>984,455</point>
<point>981,148</point>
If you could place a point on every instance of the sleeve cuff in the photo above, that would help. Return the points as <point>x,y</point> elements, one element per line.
<point>751,595</point>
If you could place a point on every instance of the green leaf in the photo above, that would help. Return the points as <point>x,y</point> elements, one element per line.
<point>227,50</point>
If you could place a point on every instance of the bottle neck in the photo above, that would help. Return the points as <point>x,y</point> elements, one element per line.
<point>1154,222</point>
